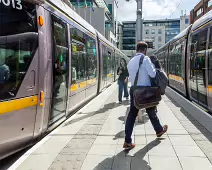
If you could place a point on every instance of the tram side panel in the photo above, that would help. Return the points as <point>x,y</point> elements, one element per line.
<point>19,88</point>
<point>84,67</point>
<point>197,74</point>
<point>176,66</point>
<point>209,51</point>
<point>110,54</point>
<point>92,67</point>
<point>199,67</point>
<point>103,66</point>
<point>46,73</point>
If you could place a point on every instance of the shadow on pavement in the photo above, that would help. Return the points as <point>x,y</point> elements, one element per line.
<point>122,118</point>
<point>100,111</point>
<point>123,160</point>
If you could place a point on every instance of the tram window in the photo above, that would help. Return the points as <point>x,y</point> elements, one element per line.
<point>117,60</point>
<point>175,59</point>
<point>104,55</point>
<point>17,51</point>
<point>78,56</point>
<point>198,54</point>
<point>193,48</point>
<point>109,62</point>
<point>210,58</point>
<point>91,58</point>
<point>60,50</point>
<point>15,59</point>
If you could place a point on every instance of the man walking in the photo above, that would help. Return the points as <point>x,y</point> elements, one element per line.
<point>146,71</point>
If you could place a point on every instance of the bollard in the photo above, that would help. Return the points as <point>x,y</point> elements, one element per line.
<point>140,116</point>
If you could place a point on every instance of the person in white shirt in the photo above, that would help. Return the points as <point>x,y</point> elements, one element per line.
<point>146,70</point>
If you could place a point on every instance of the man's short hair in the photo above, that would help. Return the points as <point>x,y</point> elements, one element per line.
<point>141,46</point>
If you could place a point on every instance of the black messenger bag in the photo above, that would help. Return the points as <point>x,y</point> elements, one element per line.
<point>145,96</point>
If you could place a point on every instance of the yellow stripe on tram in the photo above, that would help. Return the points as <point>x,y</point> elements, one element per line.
<point>210,89</point>
<point>80,85</point>
<point>18,104</point>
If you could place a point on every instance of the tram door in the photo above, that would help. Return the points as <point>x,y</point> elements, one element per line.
<point>60,69</point>
<point>198,68</point>
<point>210,70</point>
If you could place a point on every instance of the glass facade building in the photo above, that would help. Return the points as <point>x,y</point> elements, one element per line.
<point>129,35</point>
<point>172,28</point>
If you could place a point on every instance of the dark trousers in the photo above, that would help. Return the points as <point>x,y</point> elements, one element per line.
<point>122,86</point>
<point>132,116</point>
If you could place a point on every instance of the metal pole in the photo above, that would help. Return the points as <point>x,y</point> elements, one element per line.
<point>139,21</point>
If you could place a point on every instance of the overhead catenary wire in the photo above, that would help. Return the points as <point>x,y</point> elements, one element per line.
<point>176,9</point>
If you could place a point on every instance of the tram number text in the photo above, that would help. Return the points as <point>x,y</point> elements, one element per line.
<point>14,3</point>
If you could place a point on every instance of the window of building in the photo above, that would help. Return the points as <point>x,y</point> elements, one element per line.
<point>110,7</point>
<point>209,3</point>
<point>129,25</point>
<point>186,21</point>
<point>153,31</point>
<point>159,38</point>
<point>129,34</point>
<point>150,24</point>
<point>147,31</point>
<point>128,41</point>
<point>159,31</point>
<point>159,45</point>
<point>128,47</point>
<point>153,39</point>
<point>160,24</point>
<point>199,11</point>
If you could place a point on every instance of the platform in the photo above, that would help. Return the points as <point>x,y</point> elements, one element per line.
<point>93,139</point>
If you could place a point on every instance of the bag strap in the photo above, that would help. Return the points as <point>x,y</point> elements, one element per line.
<point>136,77</point>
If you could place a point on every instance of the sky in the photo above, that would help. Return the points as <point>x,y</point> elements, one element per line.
<point>155,9</point>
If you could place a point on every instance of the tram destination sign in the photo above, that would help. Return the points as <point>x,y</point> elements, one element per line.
<point>12,3</point>
<point>17,4</point>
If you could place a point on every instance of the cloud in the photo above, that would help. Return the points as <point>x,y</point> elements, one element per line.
<point>154,9</point>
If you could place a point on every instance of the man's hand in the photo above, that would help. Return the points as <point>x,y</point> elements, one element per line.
<point>120,72</point>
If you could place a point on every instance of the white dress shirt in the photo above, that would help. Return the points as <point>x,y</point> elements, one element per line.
<point>147,70</point>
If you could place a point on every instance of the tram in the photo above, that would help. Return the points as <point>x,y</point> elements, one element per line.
<point>51,63</point>
<point>187,59</point>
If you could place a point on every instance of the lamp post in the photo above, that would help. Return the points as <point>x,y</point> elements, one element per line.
<point>139,22</point>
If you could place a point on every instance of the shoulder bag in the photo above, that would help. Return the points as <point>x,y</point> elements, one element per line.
<point>145,96</point>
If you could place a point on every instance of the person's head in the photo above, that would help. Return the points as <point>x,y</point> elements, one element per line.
<point>141,47</point>
<point>155,61</point>
<point>123,62</point>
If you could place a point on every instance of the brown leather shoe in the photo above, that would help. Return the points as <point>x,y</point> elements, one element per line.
<point>128,145</point>
<point>165,128</point>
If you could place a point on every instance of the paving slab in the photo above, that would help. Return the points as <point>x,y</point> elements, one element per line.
<point>164,163</point>
<point>195,163</point>
<point>93,140</point>
<point>140,163</point>
<point>97,162</point>
<point>189,151</point>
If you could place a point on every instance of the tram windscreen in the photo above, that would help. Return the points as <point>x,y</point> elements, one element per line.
<point>17,17</point>
<point>18,43</point>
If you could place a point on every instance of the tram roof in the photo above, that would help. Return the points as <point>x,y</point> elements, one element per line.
<point>203,20</point>
<point>181,34</point>
<point>72,14</point>
<point>104,39</point>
